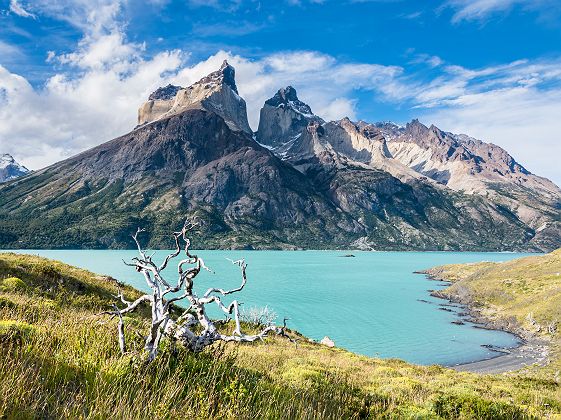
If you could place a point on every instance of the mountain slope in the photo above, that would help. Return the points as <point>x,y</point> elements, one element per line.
<point>186,163</point>
<point>465,164</point>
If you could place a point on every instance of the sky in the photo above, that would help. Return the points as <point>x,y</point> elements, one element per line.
<point>74,72</point>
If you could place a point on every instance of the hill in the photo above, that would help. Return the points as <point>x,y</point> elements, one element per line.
<point>522,296</point>
<point>59,358</point>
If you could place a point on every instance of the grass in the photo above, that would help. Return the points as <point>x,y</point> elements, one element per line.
<point>59,359</point>
<point>521,295</point>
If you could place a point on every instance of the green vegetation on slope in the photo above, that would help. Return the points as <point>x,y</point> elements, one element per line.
<point>522,296</point>
<point>58,358</point>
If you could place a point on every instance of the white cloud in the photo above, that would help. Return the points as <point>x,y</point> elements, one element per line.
<point>516,106</point>
<point>9,50</point>
<point>481,9</point>
<point>75,111</point>
<point>98,87</point>
<point>92,17</point>
<point>18,9</point>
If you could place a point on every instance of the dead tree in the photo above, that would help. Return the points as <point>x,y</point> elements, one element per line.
<point>192,328</point>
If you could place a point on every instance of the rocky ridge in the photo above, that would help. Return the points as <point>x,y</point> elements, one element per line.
<point>416,154</point>
<point>216,92</point>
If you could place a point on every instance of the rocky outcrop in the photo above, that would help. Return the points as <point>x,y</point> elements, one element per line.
<point>216,92</point>
<point>10,169</point>
<point>282,119</point>
<point>471,166</point>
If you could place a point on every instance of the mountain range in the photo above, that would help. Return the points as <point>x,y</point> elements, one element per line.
<point>298,182</point>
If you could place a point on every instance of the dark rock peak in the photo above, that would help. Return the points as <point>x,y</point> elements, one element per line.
<point>283,96</point>
<point>416,128</point>
<point>226,75</point>
<point>164,93</point>
<point>288,97</point>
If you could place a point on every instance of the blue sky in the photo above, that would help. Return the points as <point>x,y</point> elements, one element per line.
<point>73,72</point>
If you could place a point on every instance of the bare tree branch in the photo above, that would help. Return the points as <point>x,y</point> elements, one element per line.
<point>192,328</point>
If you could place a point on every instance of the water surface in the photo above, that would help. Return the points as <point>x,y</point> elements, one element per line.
<point>370,304</point>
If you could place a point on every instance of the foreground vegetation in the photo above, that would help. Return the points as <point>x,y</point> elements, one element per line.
<point>58,358</point>
<point>521,296</point>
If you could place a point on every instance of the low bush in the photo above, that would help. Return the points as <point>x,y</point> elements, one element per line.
<point>14,331</point>
<point>474,407</point>
<point>12,284</point>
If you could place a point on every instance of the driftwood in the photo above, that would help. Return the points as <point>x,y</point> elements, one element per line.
<point>192,328</point>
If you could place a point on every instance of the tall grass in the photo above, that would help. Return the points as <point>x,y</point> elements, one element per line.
<point>70,367</point>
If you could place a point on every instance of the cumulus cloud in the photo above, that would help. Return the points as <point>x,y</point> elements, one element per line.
<point>94,94</point>
<point>107,78</point>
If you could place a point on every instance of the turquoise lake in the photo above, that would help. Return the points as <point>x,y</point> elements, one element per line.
<point>372,304</point>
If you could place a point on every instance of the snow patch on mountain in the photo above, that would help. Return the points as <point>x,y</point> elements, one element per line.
<point>10,169</point>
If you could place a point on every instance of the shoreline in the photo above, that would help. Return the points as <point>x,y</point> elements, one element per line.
<point>529,353</point>
<point>531,350</point>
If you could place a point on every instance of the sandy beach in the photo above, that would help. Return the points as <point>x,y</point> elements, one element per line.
<point>531,352</point>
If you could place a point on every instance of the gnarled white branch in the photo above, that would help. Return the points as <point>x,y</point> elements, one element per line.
<point>182,328</point>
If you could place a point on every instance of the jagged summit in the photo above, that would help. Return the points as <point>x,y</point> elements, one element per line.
<point>10,169</point>
<point>288,97</point>
<point>225,74</point>
<point>164,93</point>
<point>216,92</point>
<point>283,117</point>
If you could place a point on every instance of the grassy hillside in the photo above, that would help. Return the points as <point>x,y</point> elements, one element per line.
<point>58,358</point>
<point>522,295</point>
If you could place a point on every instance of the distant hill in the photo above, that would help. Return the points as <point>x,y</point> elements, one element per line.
<point>521,295</point>
<point>298,182</point>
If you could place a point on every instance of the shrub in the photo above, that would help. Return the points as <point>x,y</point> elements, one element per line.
<point>13,284</point>
<point>474,407</point>
<point>6,303</point>
<point>258,316</point>
<point>15,331</point>
<point>46,269</point>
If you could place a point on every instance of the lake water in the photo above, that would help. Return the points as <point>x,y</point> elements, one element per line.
<point>370,304</point>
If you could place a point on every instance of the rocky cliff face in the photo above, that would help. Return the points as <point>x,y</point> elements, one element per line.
<point>470,166</point>
<point>283,118</point>
<point>216,92</point>
<point>305,183</point>
<point>10,169</point>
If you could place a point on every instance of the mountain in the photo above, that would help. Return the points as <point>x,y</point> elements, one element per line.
<point>298,182</point>
<point>10,169</point>
<point>420,156</point>
<point>216,92</point>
